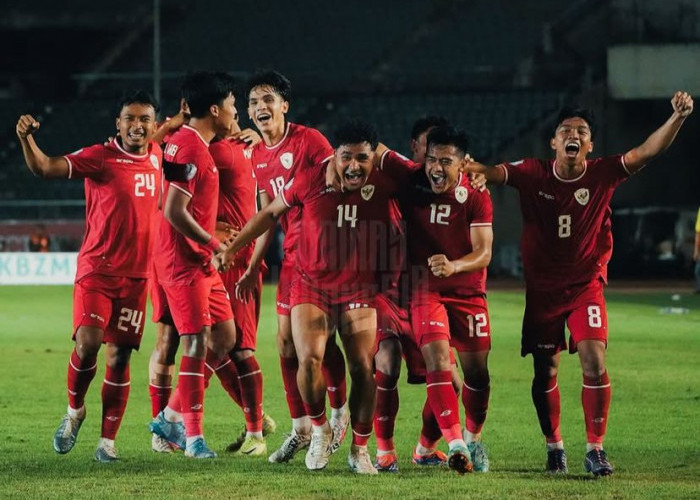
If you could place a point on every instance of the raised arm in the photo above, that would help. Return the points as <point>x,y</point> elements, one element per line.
<point>37,161</point>
<point>493,174</point>
<point>478,258</point>
<point>662,137</point>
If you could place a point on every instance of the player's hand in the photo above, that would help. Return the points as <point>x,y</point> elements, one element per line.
<point>332,179</point>
<point>225,232</point>
<point>477,181</point>
<point>441,266</point>
<point>682,103</point>
<point>109,139</point>
<point>249,136</point>
<point>247,285</point>
<point>217,261</point>
<point>26,125</point>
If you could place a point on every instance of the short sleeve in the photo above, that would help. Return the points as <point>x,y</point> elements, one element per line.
<point>614,169</point>
<point>86,162</point>
<point>481,209</point>
<point>519,174</point>
<point>397,166</point>
<point>318,148</point>
<point>184,176</point>
<point>291,193</point>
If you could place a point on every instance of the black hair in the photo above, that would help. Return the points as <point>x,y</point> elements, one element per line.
<point>576,111</point>
<point>202,89</point>
<point>425,123</point>
<point>355,131</point>
<point>449,136</point>
<point>137,97</point>
<point>271,78</point>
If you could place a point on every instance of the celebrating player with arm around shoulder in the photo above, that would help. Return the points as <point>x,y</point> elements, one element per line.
<point>335,282</point>
<point>194,294</point>
<point>449,247</point>
<point>122,181</point>
<point>566,246</point>
<point>288,149</point>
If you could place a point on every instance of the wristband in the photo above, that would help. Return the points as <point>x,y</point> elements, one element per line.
<point>213,244</point>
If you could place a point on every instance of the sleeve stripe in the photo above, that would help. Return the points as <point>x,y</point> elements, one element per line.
<point>284,199</point>
<point>381,160</point>
<point>622,160</point>
<point>327,158</point>
<point>479,224</point>
<point>70,167</point>
<point>182,189</point>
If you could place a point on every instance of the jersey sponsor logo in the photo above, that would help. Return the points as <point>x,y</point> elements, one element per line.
<point>582,196</point>
<point>261,165</point>
<point>124,160</point>
<point>154,161</point>
<point>97,317</point>
<point>170,150</point>
<point>461,194</point>
<point>546,196</point>
<point>367,192</point>
<point>287,159</point>
<point>436,323</point>
<point>247,154</point>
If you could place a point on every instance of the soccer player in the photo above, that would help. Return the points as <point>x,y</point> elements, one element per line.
<point>122,181</point>
<point>566,245</point>
<point>449,245</point>
<point>237,205</point>
<point>288,149</point>
<point>195,295</point>
<point>343,233</point>
<point>419,135</point>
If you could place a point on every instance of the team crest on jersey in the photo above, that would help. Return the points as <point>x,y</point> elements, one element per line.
<point>461,194</point>
<point>367,192</point>
<point>582,196</point>
<point>154,161</point>
<point>286,160</point>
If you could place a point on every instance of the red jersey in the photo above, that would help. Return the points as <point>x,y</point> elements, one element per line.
<point>301,148</point>
<point>179,259</point>
<point>121,197</point>
<point>344,233</point>
<point>567,236</point>
<point>237,187</point>
<point>441,224</point>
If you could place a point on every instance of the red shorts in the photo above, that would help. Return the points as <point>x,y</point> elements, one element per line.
<point>199,303</point>
<point>113,304</point>
<point>332,303</point>
<point>288,274</point>
<point>245,314</point>
<point>161,311</point>
<point>393,322</point>
<point>463,321</point>
<point>580,307</point>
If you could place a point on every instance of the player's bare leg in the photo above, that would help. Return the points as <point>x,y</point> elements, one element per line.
<point>358,331</point>
<point>81,370</point>
<point>595,396</point>
<point>443,401</point>
<point>475,398</point>
<point>387,362</point>
<point>547,401</point>
<point>161,366</point>
<point>115,394</point>
<point>311,329</point>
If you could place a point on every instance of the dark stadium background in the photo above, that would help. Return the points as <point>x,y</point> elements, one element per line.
<point>498,68</point>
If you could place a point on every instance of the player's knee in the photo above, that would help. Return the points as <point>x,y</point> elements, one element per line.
<point>310,363</point>
<point>477,378</point>
<point>360,368</point>
<point>594,368</point>
<point>118,359</point>
<point>285,347</point>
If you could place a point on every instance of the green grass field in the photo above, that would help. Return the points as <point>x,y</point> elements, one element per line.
<point>653,363</point>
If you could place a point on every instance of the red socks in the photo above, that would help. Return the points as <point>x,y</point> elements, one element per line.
<point>159,397</point>
<point>191,393</point>
<point>250,380</point>
<point>228,376</point>
<point>595,396</point>
<point>387,408</point>
<point>476,403</point>
<point>115,393</point>
<point>80,374</point>
<point>333,367</point>
<point>548,406</point>
<point>291,389</point>
<point>316,412</point>
<point>443,401</point>
<point>361,431</point>
<point>430,434</point>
